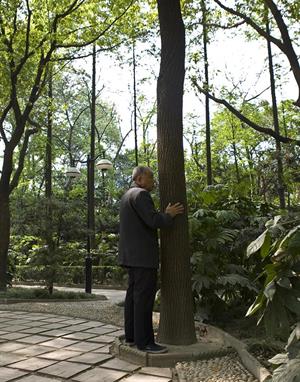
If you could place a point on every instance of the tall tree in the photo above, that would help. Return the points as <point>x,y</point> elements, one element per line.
<point>280,178</point>
<point>32,34</point>
<point>176,319</point>
<point>206,85</point>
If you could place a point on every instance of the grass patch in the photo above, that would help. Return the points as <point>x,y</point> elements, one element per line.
<point>42,293</point>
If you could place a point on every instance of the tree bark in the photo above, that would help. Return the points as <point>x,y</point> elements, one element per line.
<point>4,236</point>
<point>280,177</point>
<point>176,318</point>
<point>206,84</point>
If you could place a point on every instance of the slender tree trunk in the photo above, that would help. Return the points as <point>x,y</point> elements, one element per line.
<point>91,162</point>
<point>48,193</point>
<point>207,114</point>
<point>136,150</point>
<point>7,167</point>
<point>280,177</point>
<point>176,318</point>
<point>4,236</point>
<point>235,155</point>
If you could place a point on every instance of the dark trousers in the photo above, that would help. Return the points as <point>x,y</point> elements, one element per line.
<point>139,303</point>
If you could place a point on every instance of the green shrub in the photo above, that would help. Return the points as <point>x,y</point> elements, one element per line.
<point>278,247</point>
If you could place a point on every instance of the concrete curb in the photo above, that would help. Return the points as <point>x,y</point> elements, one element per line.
<point>175,354</point>
<point>248,360</point>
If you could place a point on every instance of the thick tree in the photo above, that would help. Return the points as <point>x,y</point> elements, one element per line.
<point>176,319</point>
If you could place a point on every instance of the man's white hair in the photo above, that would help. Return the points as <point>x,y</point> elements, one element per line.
<point>140,170</point>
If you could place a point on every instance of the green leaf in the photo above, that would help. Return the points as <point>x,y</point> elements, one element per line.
<point>265,249</point>
<point>258,303</point>
<point>255,245</point>
<point>270,290</point>
<point>284,282</point>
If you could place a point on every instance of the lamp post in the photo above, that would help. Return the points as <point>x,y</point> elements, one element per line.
<point>74,172</point>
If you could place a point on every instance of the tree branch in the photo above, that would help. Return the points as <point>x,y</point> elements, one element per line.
<point>83,44</point>
<point>16,177</point>
<point>244,119</point>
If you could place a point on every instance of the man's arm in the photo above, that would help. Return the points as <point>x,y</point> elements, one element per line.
<point>144,207</point>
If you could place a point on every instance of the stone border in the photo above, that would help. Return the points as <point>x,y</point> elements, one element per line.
<point>248,360</point>
<point>133,355</point>
<point>227,344</point>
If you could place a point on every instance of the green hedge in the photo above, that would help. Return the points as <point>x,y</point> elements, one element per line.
<point>103,275</point>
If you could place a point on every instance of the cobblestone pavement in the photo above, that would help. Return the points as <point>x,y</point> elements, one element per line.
<point>43,347</point>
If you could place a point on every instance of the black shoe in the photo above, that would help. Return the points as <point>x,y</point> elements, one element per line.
<point>154,349</point>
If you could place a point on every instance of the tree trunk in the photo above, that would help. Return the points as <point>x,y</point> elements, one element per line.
<point>280,177</point>
<point>176,318</point>
<point>4,236</point>
<point>50,261</point>
<point>206,84</point>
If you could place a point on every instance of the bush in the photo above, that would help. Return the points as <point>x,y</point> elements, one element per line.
<point>103,275</point>
<point>41,293</point>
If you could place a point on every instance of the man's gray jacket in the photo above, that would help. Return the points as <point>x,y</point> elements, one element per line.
<point>138,245</point>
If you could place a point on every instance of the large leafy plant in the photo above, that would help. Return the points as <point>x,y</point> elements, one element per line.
<point>288,364</point>
<point>218,275</point>
<point>277,303</point>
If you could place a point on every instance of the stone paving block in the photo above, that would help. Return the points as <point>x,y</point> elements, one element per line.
<point>146,378</point>
<point>33,350</point>
<point>96,323</point>
<point>35,330</point>
<point>157,371</point>
<point>84,346</point>
<point>54,319</point>
<point>58,325</point>
<point>57,332</point>
<point>112,326</point>
<point>11,346</point>
<point>103,349</point>
<point>35,324</point>
<point>17,322</point>
<point>35,339</point>
<point>117,333</point>
<point>7,358</point>
<point>100,330</point>
<point>59,343</point>
<point>102,339</point>
<point>98,374</point>
<point>91,358</point>
<point>74,321</point>
<point>15,328</point>
<point>61,354</point>
<point>84,326</point>
<point>7,374</point>
<point>32,364</point>
<point>65,369</point>
<point>13,336</point>
<point>119,364</point>
<point>37,378</point>
<point>79,336</point>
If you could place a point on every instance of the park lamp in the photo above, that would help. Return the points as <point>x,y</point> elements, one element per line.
<point>73,172</point>
<point>104,165</point>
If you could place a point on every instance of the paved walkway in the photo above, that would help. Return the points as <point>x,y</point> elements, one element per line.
<point>38,347</point>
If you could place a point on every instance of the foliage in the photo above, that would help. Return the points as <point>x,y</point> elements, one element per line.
<point>39,293</point>
<point>220,276</point>
<point>279,248</point>
<point>288,364</point>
